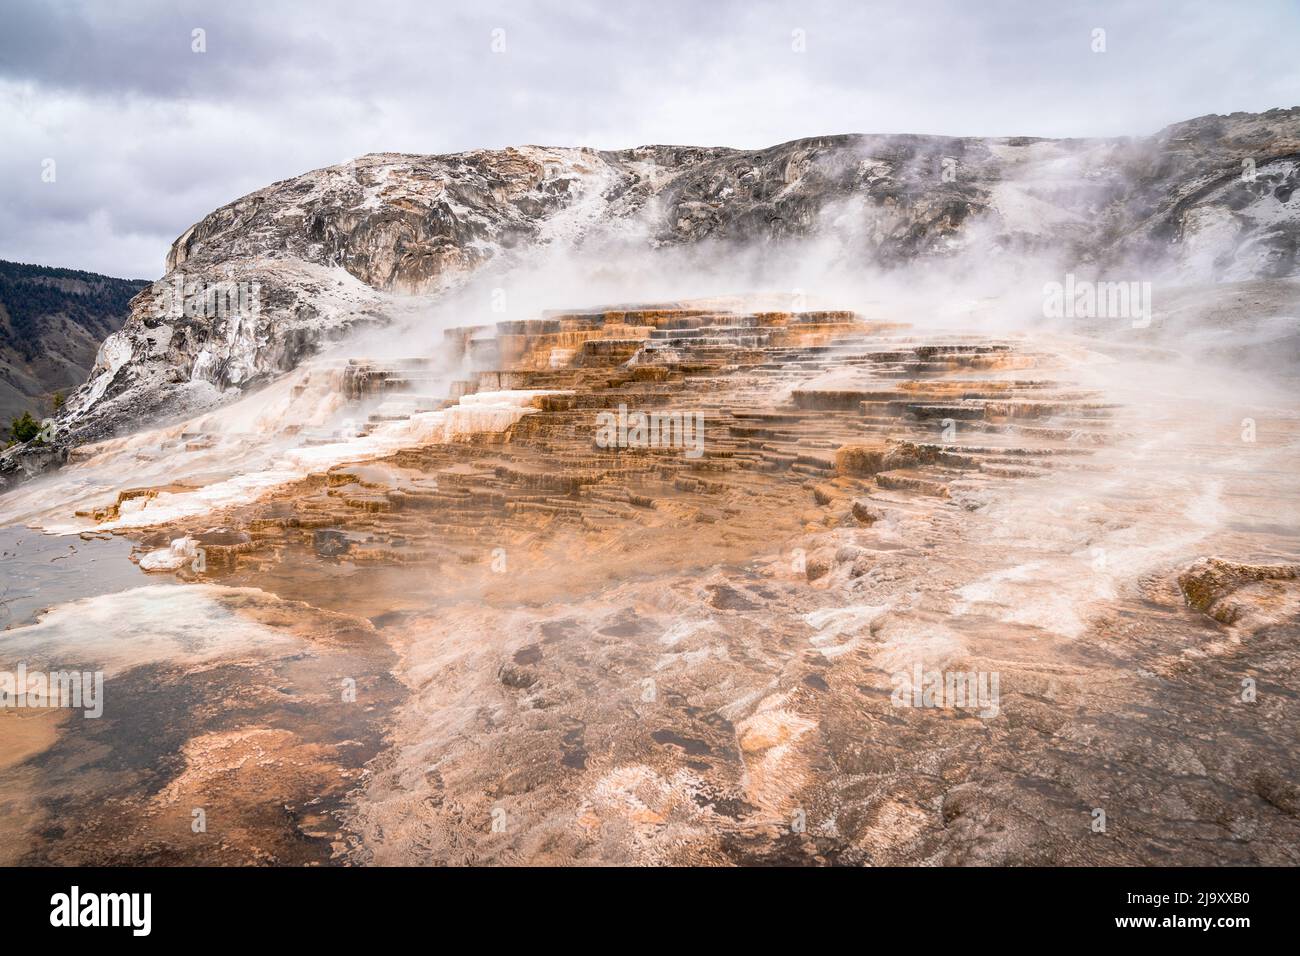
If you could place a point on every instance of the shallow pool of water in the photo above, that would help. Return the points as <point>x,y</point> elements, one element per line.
<point>38,571</point>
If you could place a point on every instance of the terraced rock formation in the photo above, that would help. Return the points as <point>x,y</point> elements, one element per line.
<point>798,400</point>
<point>335,250</point>
<point>617,649</point>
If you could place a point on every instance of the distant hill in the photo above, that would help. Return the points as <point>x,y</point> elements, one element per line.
<point>52,322</point>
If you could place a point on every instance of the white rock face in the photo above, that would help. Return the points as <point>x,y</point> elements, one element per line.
<point>172,558</point>
<point>164,363</point>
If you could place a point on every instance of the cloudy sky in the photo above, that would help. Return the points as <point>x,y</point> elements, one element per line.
<point>148,134</point>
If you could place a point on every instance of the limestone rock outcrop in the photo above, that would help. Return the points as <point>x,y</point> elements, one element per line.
<point>326,252</point>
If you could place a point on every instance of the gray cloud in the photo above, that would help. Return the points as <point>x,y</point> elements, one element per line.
<point>148,136</point>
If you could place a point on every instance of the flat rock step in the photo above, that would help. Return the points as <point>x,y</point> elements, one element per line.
<point>914,481</point>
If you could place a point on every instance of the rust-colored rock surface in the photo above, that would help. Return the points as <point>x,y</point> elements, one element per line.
<point>686,583</point>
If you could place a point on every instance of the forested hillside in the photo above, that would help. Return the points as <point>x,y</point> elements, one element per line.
<point>51,324</point>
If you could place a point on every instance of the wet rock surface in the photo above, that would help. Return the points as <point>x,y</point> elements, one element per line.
<point>233,726</point>
<point>628,652</point>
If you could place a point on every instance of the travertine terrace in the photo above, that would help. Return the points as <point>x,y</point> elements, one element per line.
<point>586,653</point>
<point>794,404</point>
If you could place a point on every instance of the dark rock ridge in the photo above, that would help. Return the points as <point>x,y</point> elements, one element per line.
<point>1209,199</point>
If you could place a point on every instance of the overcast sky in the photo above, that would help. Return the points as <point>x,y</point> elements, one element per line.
<point>148,135</point>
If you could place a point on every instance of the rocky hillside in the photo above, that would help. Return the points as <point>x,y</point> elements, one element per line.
<point>51,324</point>
<point>1210,199</point>
<point>420,223</point>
